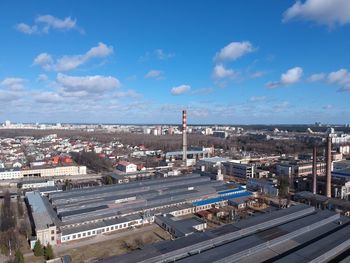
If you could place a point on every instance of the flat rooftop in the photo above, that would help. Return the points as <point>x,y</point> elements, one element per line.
<point>299,233</point>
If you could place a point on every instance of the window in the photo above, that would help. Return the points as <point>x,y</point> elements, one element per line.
<point>112,227</point>
<point>89,233</point>
<point>94,232</point>
<point>103,230</point>
<point>52,232</point>
<point>74,236</point>
<point>107,229</point>
<point>79,235</point>
<point>52,238</point>
<point>84,234</point>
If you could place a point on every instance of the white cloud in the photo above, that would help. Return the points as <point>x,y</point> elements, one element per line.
<point>156,74</point>
<point>7,96</point>
<point>42,77</point>
<point>129,94</point>
<point>67,63</point>
<point>26,29</point>
<point>292,76</point>
<point>47,97</point>
<point>281,107</point>
<point>85,85</point>
<point>233,51</point>
<point>44,23</point>
<point>257,98</point>
<point>44,60</point>
<point>159,54</point>
<point>14,84</point>
<point>220,72</point>
<point>323,12</point>
<point>180,90</point>
<point>340,78</point>
<point>317,77</point>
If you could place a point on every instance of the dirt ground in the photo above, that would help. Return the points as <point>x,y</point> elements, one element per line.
<point>117,246</point>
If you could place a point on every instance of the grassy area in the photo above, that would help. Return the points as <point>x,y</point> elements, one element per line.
<point>116,246</point>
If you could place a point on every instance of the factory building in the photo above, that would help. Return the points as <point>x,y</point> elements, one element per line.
<point>180,227</point>
<point>297,234</point>
<point>299,169</point>
<point>44,226</point>
<point>240,170</point>
<point>42,172</point>
<point>81,213</point>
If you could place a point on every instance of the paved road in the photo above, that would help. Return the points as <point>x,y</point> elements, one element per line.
<point>63,247</point>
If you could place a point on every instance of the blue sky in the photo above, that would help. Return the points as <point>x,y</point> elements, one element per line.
<point>234,62</point>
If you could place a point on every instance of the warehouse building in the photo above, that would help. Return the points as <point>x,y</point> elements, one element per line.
<point>86,212</point>
<point>49,171</point>
<point>296,234</point>
<point>180,227</point>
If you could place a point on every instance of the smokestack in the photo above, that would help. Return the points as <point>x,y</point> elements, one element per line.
<point>314,170</point>
<point>184,138</point>
<point>328,166</point>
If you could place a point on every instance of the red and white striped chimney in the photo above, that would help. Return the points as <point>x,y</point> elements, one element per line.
<point>184,138</point>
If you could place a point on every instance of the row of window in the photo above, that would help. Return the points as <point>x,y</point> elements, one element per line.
<point>96,232</point>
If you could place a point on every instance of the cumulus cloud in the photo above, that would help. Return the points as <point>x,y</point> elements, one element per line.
<point>129,94</point>
<point>44,23</point>
<point>292,76</point>
<point>220,72</point>
<point>86,85</point>
<point>317,77</point>
<point>323,12</point>
<point>67,63</point>
<point>14,84</point>
<point>340,78</point>
<point>11,89</point>
<point>155,74</point>
<point>27,29</point>
<point>47,97</point>
<point>42,77</point>
<point>180,90</point>
<point>233,51</point>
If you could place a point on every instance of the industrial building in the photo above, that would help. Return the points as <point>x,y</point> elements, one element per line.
<point>241,170</point>
<point>87,212</point>
<point>297,234</point>
<point>48,171</point>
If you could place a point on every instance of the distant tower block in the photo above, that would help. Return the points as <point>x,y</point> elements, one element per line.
<point>314,170</point>
<point>184,138</point>
<point>328,166</point>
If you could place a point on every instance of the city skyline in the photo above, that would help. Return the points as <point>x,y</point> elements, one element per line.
<point>224,62</point>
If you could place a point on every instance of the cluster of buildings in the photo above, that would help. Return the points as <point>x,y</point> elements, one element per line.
<point>297,234</point>
<point>81,213</point>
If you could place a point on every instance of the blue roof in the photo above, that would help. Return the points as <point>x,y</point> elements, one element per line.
<point>220,199</point>
<point>231,190</point>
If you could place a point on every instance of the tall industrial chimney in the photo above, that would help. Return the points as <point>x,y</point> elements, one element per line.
<point>314,170</point>
<point>184,138</point>
<point>328,166</point>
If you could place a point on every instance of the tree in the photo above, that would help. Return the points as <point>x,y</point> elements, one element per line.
<point>20,207</point>
<point>49,252</point>
<point>38,249</point>
<point>19,257</point>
